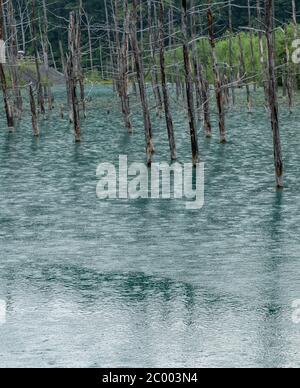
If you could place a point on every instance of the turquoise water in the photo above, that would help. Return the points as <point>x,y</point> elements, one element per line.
<point>90,283</point>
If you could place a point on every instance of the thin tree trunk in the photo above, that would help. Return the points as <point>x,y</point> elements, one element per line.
<point>35,126</point>
<point>294,13</point>
<point>41,101</point>
<point>142,85</point>
<point>73,77</point>
<point>232,78</point>
<point>189,85</point>
<point>244,73</point>
<point>167,107</point>
<point>78,59</point>
<point>287,79</point>
<point>21,16</point>
<point>124,70</point>
<point>13,54</point>
<point>7,107</point>
<point>218,83</point>
<point>261,50</point>
<point>251,42</point>
<point>46,56</point>
<point>272,95</point>
<point>154,72</point>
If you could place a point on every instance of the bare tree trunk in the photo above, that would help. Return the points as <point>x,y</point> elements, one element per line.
<point>122,47</point>
<point>287,79</point>
<point>154,72</point>
<point>13,54</point>
<point>272,95</point>
<point>244,74</point>
<point>218,83</point>
<point>294,13</point>
<point>142,85</point>
<point>232,78</point>
<point>189,85</point>
<point>196,65</point>
<point>68,89</point>
<point>261,50</point>
<point>167,107</point>
<point>35,126</point>
<point>124,70</point>
<point>21,16</point>
<point>251,42</point>
<point>41,101</point>
<point>73,77</point>
<point>46,56</point>
<point>88,22</point>
<point>78,58</point>
<point>7,107</point>
<point>109,39</point>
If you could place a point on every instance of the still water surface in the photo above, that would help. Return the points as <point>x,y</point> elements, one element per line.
<point>87,283</point>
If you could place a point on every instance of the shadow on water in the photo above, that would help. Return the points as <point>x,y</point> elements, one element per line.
<point>91,286</point>
<point>271,332</point>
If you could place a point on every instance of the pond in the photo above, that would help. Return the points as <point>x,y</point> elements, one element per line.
<point>147,283</point>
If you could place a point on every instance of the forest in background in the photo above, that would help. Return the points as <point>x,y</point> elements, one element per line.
<point>98,17</point>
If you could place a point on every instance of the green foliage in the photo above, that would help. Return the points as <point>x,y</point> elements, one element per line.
<point>253,67</point>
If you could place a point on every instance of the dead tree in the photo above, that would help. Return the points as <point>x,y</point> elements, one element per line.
<point>168,114</point>
<point>294,13</point>
<point>124,69</point>
<point>272,94</point>
<point>196,65</point>
<point>78,59</point>
<point>244,74</point>
<point>7,106</point>
<point>73,77</point>
<point>174,48</point>
<point>251,41</point>
<point>122,48</point>
<point>65,70</point>
<point>261,50</point>
<point>218,82</point>
<point>202,86</point>
<point>189,85</point>
<point>231,64</point>
<point>139,65</point>
<point>22,23</point>
<point>46,56</point>
<point>41,101</point>
<point>288,78</point>
<point>34,116</point>
<point>13,60</point>
<point>152,46</point>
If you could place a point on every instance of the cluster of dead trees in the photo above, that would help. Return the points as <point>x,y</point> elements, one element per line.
<point>155,38</point>
<point>153,50</point>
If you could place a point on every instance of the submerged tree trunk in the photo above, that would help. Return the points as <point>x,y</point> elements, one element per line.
<point>261,50</point>
<point>231,52</point>
<point>244,74</point>
<point>13,54</point>
<point>218,83</point>
<point>46,56</point>
<point>7,107</point>
<point>167,107</point>
<point>78,59</point>
<point>251,41</point>
<point>41,101</point>
<point>189,85</point>
<point>142,84</point>
<point>272,95</point>
<point>73,78</point>
<point>35,126</point>
<point>154,72</point>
